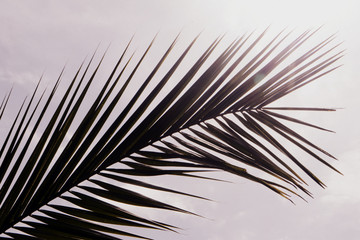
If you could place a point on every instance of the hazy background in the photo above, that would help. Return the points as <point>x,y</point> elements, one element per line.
<point>42,36</point>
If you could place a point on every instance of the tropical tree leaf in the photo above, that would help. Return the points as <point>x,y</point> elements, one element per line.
<point>71,182</point>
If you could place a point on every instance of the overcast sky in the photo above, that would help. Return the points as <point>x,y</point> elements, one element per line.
<point>41,36</point>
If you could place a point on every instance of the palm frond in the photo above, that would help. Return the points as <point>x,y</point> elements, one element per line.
<point>216,117</point>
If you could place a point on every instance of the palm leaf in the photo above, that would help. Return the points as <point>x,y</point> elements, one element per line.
<point>216,117</point>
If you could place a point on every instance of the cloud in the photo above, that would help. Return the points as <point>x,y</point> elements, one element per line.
<point>342,189</point>
<point>38,35</point>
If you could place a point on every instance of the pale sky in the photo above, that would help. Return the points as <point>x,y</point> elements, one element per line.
<point>42,36</point>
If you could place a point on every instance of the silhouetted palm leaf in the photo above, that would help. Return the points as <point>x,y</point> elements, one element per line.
<point>216,117</point>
